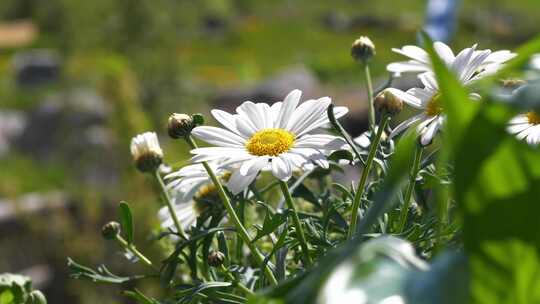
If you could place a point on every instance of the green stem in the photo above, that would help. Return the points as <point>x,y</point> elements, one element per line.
<point>132,249</point>
<point>296,222</point>
<point>370,97</point>
<point>410,188</point>
<point>236,282</point>
<point>240,229</point>
<point>169,204</point>
<point>365,174</point>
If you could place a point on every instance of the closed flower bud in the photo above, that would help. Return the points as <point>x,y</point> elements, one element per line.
<point>512,83</point>
<point>180,125</point>
<point>216,258</point>
<point>388,103</point>
<point>362,49</point>
<point>146,152</point>
<point>110,230</point>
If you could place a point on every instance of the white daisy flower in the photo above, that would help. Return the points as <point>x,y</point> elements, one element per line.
<point>204,198</point>
<point>468,66</point>
<point>185,182</point>
<point>419,61</point>
<point>277,138</point>
<point>526,127</point>
<point>146,151</point>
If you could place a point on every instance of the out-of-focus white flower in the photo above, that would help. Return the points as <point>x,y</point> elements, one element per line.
<point>526,127</point>
<point>185,182</point>
<point>483,61</point>
<point>277,138</point>
<point>469,65</point>
<point>187,212</point>
<point>534,64</point>
<point>146,152</point>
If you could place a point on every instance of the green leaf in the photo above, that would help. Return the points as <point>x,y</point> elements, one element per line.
<point>102,275</point>
<point>271,223</point>
<point>496,189</point>
<point>126,220</point>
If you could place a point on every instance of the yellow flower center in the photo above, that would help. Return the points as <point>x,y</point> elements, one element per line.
<point>533,117</point>
<point>207,195</point>
<point>270,142</point>
<point>434,107</point>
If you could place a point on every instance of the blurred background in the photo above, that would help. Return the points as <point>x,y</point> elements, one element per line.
<point>79,78</point>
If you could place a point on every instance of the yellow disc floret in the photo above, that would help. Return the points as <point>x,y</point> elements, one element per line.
<point>271,142</point>
<point>434,108</point>
<point>533,117</point>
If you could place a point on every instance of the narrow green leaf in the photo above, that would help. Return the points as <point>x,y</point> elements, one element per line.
<point>126,220</point>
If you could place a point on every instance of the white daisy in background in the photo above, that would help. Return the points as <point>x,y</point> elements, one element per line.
<point>146,151</point>
<point>185,182</point>
<point>469,65</point>
<point>526,127</point>
<point>534,63</point>
<point>419,61</point>
<point>193,192</point>
<point>277,138</point>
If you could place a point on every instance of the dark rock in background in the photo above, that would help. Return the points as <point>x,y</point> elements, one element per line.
<point>36,67</point>
<point>71,126</point>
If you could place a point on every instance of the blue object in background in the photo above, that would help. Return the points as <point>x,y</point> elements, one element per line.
<point>441,19</point>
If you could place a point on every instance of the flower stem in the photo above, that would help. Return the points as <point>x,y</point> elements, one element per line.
<point>236,282</point>
<point>240,229</point>
<point>296,221</point>
<point>169,204</point>
<point>369,86</point>
<point>130,247</point>
<point>365,174</point>
<point>410,187</point>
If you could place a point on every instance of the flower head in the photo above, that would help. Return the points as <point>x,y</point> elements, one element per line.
<point>362,49</point>
<point>526,127</point>
<point>146,151</point>
<point>469,65</point>
<point>478,63</point>
<point>277,138</point>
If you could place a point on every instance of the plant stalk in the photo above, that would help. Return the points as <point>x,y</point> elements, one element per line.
<point>296,222</point>
<point>410,188</point>
<point>240,229</point>
<point>130,247</point>
<point>365,174</point>
<point>369,86</point>
<point>169,204</point>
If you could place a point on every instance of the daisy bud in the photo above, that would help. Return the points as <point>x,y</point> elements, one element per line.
<point>388,103</point>
<point>512,83</point>
<point>110,230</point>
<point>216,258</point>
<point>180,125</point>
<point>146,152</point>
<point>362,49</point>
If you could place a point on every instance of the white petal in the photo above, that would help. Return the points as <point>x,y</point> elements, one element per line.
<point>218,136</point>
<point>406,124</point>
<point>411,100</point>
<point>287,108</point>
<point>227,120</point>
<point>518,128</point>
<point>281,168</point>
<point>413,52</point>
<point>427,136</point>
<point>407,67</point>
<point>254,165</point>
<point>255,113</point>
<point>519,119</point>
<point>239,182</point>
<point>309,116</point>
<point>444,52</point>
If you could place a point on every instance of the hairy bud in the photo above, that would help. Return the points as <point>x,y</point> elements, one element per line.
<point>180,125</point>
<point>388,102</point>
<point>362,49</point>
<point>216,258</point>
<point>110,230</point>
